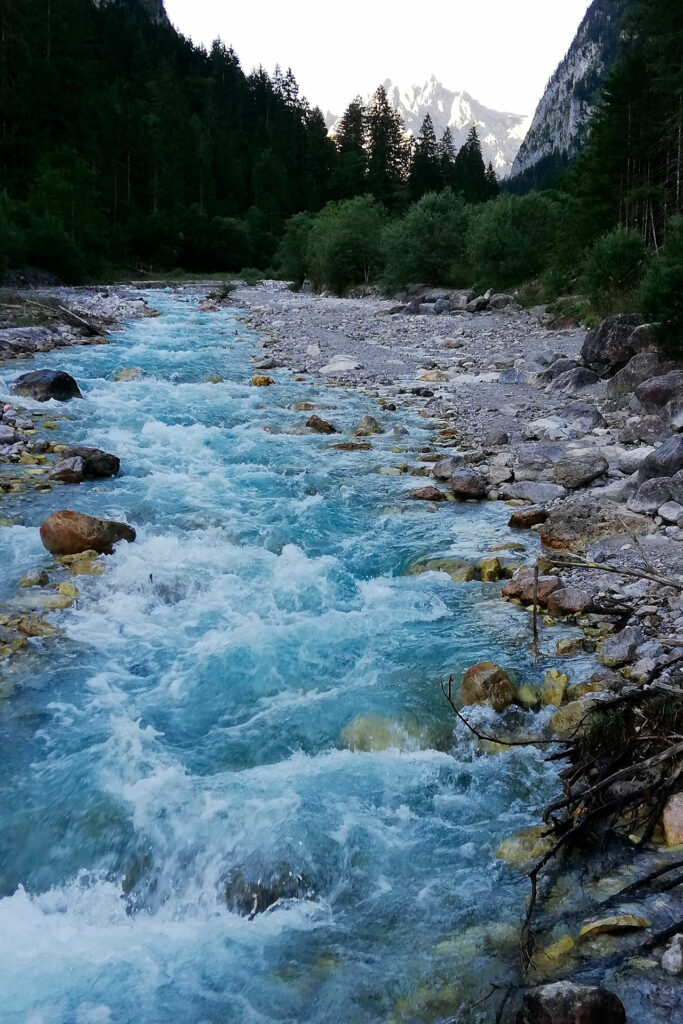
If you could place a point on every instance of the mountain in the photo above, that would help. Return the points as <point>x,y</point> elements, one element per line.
<point>154,9</point>
<point>559,125</point>
<point>500,133</point>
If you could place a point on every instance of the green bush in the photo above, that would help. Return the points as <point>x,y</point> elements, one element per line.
<point>509,238</point>
<point>661,294</point>
<point>291,257</point>
<point>427,243</point>
<point>345,244</point>
<point>613,267</point>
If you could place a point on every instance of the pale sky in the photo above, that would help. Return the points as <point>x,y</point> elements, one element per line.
<point>500,51</point>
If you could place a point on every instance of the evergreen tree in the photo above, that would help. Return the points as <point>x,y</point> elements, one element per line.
<point>349,177</point>
<point>425,169</point>
<point>387,151</point>
<point>492,181</point>
<point>446,156</point>
<point>469,170</point>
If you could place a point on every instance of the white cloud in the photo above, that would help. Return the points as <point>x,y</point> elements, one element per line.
<point>501,51</point>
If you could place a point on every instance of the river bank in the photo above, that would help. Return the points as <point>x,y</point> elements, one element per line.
<point>188,415</point>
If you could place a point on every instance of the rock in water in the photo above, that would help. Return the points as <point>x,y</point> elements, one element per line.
<point>487,683</point>
<point>320,426</point>
<point>97,465</point>
<point>366,426</point>
<point>69,533</point>
<point>68,471</point>
<point>42,385</point>
<point>566,1003</point>
<point>467,483</point>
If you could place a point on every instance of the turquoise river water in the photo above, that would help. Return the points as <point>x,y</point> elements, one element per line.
<point>180,746</point>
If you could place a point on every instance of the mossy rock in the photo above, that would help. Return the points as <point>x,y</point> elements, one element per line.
<point>527,845</point>
<point>459,569</point>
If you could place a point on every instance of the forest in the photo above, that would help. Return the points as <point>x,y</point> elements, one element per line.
<point>126,149</point>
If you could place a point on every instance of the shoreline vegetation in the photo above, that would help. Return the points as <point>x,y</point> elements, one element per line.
<point>580,435</point>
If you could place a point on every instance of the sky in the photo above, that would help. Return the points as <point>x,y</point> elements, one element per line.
<point>500,51</point>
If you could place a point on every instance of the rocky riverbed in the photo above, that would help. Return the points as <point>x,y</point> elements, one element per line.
<point>578,432</point>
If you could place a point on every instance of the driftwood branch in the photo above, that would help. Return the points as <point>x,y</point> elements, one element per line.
<point>448,694</point>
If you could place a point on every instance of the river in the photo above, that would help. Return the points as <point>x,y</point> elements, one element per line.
<point>183,743</point>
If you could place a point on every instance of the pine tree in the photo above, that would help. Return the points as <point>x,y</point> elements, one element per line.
<point>387,151</point>
<point>469,170</point>
<point>446,156</point>
<point>425,170</point>
<point>492,181</point>
<point>349,176</point>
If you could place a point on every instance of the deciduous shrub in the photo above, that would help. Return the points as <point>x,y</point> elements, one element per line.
<point>509,238</point>
<point>428,243</point>
<point>345,244</point>
<point>661,296</point>
<point>613,267</point>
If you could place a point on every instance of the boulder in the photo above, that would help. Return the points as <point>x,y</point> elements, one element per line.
<point>654,493</point>
<point>666,460</point>
<point>579,522</point>
<point>460,299</point>
<point>604,680</point>
<point>573,380</point>
<point>621,648</point>
<point>320,426</point>
<point>467,483</point>
<point>556,368</point>
<point>97,464</point>
<point>630,461</point>
<point>640,368</point>
<point>536,492</point>
<point>554,688</point>
<point>672,961</point>
<point>69,533</point>
<point>527,845</point>
<point>442,305</point>
<point>366,426</point>
<point>487,683</point>
<point>576,471</point>
<point>566,1003</point>
<point>522,587</point>
<point>489,569</point>
<point>656,393</point>
<point>68,471</point>
<point>574,718</point>
<point>569,601</point>
<point>128,373</point>
<point>42,385</point>
<point>500,300</point>
<point>495,438</point>
<point>477,305</point>
<point>672,819</point>
<point>671,511</point>
<point>443,470</point>
<point>609,345</point>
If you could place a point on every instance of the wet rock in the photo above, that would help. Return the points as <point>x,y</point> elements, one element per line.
<point>621,648</point>
<point>576,471</point>
<point>444,469</point>
<point>422,392</point>
<point>525,518</point>
<point>428,494</point>
<point>261,380</point>
<point>602,681</point>
<point>304,407</point>
<point>489,569</point>
<point>610,345</point>
<point>128,373</point>
<point>613,925</point>
<point>666,460</point>
<point>366,426</point>
<point>527,845</point>
<point>569,601</point>
<point>487,683</point>
<point>250,894</point>
<point>67,532</point>
<point>31,625</point>
<point>459,569</point>
<point>554,687</point>
<point>36,578</point>
<point>467,483</point>
<point>43,385</point>
<point>523,586</point>
<point>68,471</point>
<point>574,718</point>
<point>350,446</point>
<point>566,1003</point>
<point>672,819</point>
<point>574,380</point>
<point>97,464</point>
<point>374,732</point>
<point>320,426</point>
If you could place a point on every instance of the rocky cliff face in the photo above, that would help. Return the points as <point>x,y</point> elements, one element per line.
<point>560,123</point>
<point>500,133</point>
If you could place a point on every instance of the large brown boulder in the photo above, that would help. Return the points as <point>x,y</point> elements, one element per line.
<point>610,345</point>
<point>578,523</point>
<point>69,533</point>
<point>42,385</point>
<point>566,1003</point>
<point>487,683</point>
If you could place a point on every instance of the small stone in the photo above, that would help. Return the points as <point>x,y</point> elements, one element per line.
<point>31,625</point>
<point>428,494</point>
<point>569,601</point>
<point>567,646</point>
<point>320,426</point>
<point>68,590</point>
<point>525,518</point>
<point>672,819</point>
<point>37,578</point>
<point>261,380</point>
<point>366,426</point>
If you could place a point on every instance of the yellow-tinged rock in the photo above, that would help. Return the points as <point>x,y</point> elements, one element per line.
<point>493,747</point>
<point>86,567</point>
<point>574,719</point>
<point>50,425</point>
<point>29,460</point>
<point>672,820</point>
<point>31,625</point>
<point>215,378</point>
<point>529,844</point>
<point>548,960</point>
<point>68,590</point>
<point>613,925</point>
<point>374,733</point>
<point>489,569</point>
<point>527,695</point>
<point>568,646</point>
<point>70,559</point>
<point>38,578</point>
<point>261,380</point>
<point>554,687</point>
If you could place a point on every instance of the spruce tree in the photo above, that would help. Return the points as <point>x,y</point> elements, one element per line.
<point>425,169</point>
<point>349,176</point>
<point>387,151</point>
<point>469,170</point>
<point>446,156</point>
